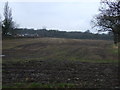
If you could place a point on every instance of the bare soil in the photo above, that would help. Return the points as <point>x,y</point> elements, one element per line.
<point>82,74</point>
<point>48,61</point>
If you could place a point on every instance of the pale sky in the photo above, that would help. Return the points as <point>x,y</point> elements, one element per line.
<point>64,15</point>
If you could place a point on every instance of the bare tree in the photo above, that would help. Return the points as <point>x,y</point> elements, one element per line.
<point>109,18</point>
<point>8,23</point>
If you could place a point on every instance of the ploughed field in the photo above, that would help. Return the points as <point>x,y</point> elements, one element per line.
<point>58,62</point>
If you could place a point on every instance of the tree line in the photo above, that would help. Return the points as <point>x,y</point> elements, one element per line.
<point>108,19</point>
<point>24,32</point>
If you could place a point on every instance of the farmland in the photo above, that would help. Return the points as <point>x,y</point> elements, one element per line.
<point>59,62</point>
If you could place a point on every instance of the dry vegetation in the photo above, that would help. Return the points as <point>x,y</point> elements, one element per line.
<point>59,49</point>
<point>79,63</point>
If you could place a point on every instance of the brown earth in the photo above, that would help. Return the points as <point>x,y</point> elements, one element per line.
<point>49,61</point>
<point>82,74</point>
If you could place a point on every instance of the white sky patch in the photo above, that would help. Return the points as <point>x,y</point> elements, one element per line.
<point>69,16</point>
<point>50,0</point>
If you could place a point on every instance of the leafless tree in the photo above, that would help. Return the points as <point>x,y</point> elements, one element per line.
<point>109,18</point>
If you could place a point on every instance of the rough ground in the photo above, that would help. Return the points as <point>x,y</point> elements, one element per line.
<point>84,63</point>
<point>84,75</point>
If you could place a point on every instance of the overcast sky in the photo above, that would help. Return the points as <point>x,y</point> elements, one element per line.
<point>66,15</point>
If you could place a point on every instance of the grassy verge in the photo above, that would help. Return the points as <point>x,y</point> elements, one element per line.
<point>62,59</point>
<point>39,85</point>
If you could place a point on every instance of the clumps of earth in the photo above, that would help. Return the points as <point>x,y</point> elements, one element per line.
<point>82,74</point>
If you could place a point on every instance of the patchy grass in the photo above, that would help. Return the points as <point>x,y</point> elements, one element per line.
<point>59,49</point>
<point>59,63</point>
<point>39,85</point>
<point>114,49</point>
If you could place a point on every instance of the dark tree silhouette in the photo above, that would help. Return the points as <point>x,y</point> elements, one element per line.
<point>109,18</point>
<point>8,24</point>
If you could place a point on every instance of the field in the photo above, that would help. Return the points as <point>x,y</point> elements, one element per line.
<point>59,62</point>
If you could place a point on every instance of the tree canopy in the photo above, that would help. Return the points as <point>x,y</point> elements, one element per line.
<point>109,18</point>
